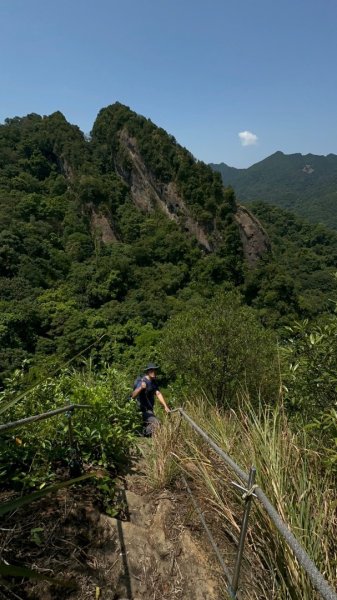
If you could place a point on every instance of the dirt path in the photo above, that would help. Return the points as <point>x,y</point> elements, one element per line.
<point>156,557</point>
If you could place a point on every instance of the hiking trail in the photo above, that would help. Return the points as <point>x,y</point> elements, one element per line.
<point>155,556</point>
<point>153,549</point>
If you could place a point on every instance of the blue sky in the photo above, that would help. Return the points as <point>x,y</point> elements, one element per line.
<point>205,71</point>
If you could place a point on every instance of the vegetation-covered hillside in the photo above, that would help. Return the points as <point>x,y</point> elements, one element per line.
<point>304,256</point>
<point>112,235</point>
<point>305,184</point>
<point>78,257</point>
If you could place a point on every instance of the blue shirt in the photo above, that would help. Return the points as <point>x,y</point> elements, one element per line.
<point>146,397</point>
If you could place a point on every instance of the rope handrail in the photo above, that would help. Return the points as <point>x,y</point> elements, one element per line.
<point>41,416</point>
<point>317,579</point>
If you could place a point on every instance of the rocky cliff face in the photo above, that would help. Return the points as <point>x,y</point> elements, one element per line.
<point>162,176</point>
<point>149,194</point>
<point>101,227</point>
<point>254,238</point>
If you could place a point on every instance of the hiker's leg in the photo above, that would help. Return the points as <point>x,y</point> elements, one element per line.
<point>151,424</point>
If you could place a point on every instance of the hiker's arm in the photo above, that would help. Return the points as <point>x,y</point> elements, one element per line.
<point>162,401</point>
<point>138,389</point>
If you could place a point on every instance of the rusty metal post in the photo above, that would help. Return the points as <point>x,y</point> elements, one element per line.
<point>243,532</point>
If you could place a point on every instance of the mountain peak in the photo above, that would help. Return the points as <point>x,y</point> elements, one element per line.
<point>305,184</point>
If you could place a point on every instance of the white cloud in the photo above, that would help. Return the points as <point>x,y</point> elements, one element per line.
<point>248,138</point>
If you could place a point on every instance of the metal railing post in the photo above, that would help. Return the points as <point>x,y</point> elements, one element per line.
<point>75,462</point>
<point>243,532</point>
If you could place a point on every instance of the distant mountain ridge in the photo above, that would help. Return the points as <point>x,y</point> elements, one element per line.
<point>305,184</point>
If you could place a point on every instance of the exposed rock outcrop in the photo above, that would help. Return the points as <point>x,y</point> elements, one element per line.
<point>100,226</point>
<point>254,238</point>
<point>149,194</point>
<point>149,562</point>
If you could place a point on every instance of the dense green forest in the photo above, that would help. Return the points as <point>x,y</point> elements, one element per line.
<point>305,184</point>
<point>83,255</point>
<point>78,259</point>
<point>306,255</point>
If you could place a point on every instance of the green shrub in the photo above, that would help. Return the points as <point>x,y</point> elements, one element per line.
<point>103,433</point>
<point>309,365</point>
<point>220,347</point>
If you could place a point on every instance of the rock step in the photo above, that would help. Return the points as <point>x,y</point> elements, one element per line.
<point>146,562</point>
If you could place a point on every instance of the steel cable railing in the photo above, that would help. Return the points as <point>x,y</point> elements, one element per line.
<point>40,417</point>
<point>75,461</point>
<point>317,579</point>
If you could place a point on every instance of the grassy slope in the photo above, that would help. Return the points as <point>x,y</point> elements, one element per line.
<point>287,471</point>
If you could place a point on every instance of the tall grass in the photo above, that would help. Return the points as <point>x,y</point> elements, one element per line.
<point>287,470</point>
<point>161,461</point>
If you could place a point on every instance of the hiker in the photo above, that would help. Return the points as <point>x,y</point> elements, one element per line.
<point>145,389</point>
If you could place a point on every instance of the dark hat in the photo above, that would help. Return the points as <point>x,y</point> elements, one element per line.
<point>151,367</point>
